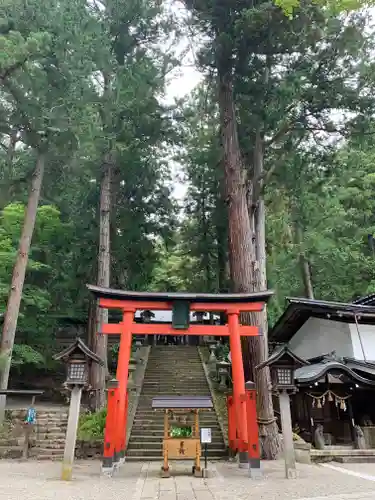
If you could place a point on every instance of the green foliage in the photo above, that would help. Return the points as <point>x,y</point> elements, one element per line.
<point>45,253</point>
<point>333,6</point>
<point>25,354</point>
<point>222,352</point>
<point>175,270</point>
<point>91,425</point>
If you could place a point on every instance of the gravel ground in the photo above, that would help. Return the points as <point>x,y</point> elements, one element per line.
<point>314,482</point>
<point>135,481</point>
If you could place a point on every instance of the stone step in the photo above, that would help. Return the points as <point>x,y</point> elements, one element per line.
<point>131,458</point>
<point>162,384</point>
<point>173,391</point>
<point>158,415</point>
<point>155,369</point>
<point>49,430</point>
<point>191,370</point>
<point>149,424</point>
<point>156,437</point>
<point>47,451</point>
<point>168,390</point>
<point>151,413</point>
<point>185,358</point>
<point>51,417</point>
<point>143,452</point>
<point>56,418</point>
<point>51,437</point>
<point>344,452</point>
<point>367,459</point>
<point>43,421</point>
<point>10,451</point>
<point>159,422</point>
<point>50,458</point>
<point>194,371</point>
<point>51,444</point>
<point>53,414</point>
<point>153,428</point>
<point>149,396</point>
<point>11,441</point>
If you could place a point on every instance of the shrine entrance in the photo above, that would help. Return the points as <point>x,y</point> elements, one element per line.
<point>243,429</point>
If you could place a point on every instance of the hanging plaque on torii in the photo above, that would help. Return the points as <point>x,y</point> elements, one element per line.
<point>181,304</point>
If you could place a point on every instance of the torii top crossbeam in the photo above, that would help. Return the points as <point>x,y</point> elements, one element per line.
<point>199,302</point>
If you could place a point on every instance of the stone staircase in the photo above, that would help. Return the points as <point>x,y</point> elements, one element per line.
<point>50,435</point>
<point>171,370</point>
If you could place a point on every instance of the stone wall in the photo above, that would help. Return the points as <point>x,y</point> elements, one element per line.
<point>89,449</point>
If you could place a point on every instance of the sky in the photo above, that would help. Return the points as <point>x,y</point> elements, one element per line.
<point>181,83</point>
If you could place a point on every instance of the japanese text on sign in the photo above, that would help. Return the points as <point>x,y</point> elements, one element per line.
<point>206,435</point>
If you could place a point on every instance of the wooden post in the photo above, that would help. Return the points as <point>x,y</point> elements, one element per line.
<point>28,426</point>
<point>351,419</point>
<point>253,431</point>
<point>197,435</point>
<point>71,433</point>
<point>110,444</point>
<point>165,443</point>
<point>239,396</point>
<point>122,375</point>
<point>286,423</point>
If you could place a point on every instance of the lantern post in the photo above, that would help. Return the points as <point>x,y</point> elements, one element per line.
<point>78,358</point>
<point>282,365</point>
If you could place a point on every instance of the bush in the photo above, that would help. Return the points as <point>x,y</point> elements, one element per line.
<point>91,425</point>
<point>26,355</point>
<point>222,352</point>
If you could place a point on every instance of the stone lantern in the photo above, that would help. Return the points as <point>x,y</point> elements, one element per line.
<point>282,365</point>
<point>78,359</point>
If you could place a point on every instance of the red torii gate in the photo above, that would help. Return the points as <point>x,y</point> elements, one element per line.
<point>181,304</point>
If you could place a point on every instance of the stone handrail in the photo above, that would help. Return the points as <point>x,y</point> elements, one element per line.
<point>215,399</point>
<point>141,356</point>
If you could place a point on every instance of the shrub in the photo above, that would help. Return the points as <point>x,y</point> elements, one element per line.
<point>222,352</point>
<point>91,425</point>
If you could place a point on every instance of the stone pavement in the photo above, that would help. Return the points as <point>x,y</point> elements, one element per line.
<point>136,481</point>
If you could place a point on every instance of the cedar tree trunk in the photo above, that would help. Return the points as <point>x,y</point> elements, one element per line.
<point>18,278</point>
<point>99,373</point>
<point>305,265</point>
<point>244,267</point>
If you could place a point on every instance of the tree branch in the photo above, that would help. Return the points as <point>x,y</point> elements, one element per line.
<point>285,128</point>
